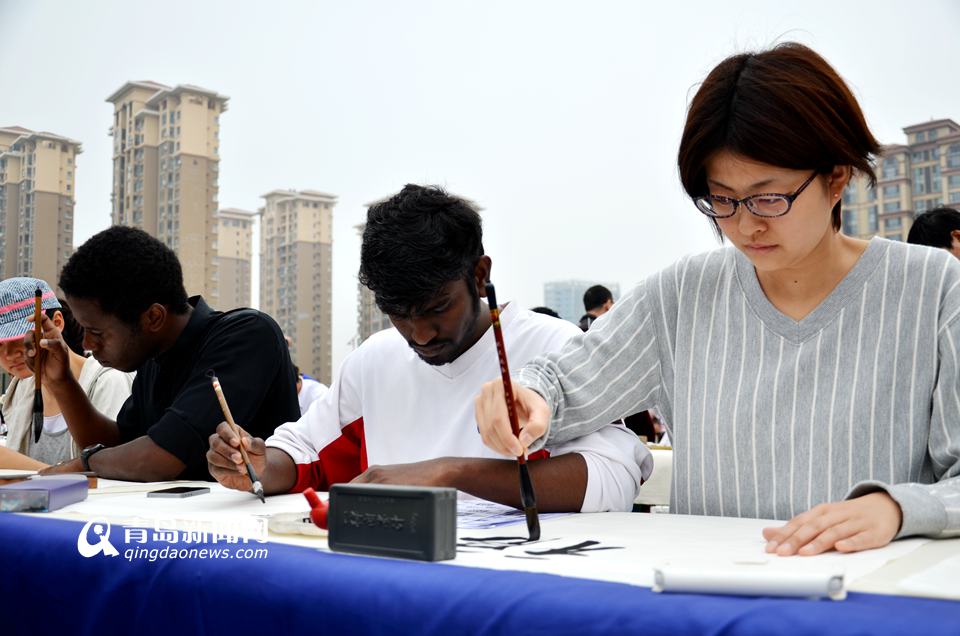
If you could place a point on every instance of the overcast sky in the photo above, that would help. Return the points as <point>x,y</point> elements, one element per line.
<point>561,119</point>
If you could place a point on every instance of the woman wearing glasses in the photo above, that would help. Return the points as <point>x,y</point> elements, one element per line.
<point>806,376</point>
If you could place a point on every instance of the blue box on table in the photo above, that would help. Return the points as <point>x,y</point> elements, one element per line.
<point>43,494</point>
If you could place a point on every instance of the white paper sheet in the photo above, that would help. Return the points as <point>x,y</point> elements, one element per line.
<point>475,514</point>
<point>221,510</point>
<point>15,473</point>
<point>941,580</point>
<point>639,542</point>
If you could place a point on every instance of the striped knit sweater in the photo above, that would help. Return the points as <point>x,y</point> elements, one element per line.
<point>770,416</point>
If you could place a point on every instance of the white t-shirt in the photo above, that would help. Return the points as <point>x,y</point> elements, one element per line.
<point>54,424</point>
<point>310,392</point>
<point>411,411</point>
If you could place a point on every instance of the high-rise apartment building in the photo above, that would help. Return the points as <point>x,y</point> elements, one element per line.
<point>912,178</point>
<point>235,257</point>
<point>37,197</point>
<point>296,243</point>
<point>370,319</point>
<point>566,296</point>
<point>166,158</point>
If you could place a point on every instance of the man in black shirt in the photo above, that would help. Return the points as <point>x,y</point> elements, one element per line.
<point>126,290</point>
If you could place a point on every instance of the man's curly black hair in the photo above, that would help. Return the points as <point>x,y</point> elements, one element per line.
<point>125,270</point>
<point>414,243</point>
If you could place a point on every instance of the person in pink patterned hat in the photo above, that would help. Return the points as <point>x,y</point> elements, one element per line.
<point>106,388</point>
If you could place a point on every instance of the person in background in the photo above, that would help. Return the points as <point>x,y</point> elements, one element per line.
<point>804,375</point>
<point>546,311</point>
<point>939,227</point>
<point>596,301</point>
<point>308,390</point>
<point>659,430</point>
<point>107,389</point>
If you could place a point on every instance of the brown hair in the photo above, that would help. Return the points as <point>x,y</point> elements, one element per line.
<point>785,107</point>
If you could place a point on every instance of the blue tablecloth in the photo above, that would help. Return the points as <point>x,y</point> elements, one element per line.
<point>46,586</point>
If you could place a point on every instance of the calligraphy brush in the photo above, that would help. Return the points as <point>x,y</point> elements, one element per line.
<point>254,480</point>
<point>37,394</point>
<point>527,497</point>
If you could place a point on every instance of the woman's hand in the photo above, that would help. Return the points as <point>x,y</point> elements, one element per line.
<point>493,422</point>
<point>870,521</point>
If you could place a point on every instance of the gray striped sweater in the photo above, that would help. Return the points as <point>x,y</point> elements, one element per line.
<point>770,416</point>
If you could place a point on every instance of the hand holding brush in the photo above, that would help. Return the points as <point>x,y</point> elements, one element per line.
<point>527,497</point>
<point>256,486</point>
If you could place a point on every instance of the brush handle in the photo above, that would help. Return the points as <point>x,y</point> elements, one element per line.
<point>527,498</point>
<point>504,367</point>
<point>37,419</point>
<point>236,429</point>
<point>37,334</point>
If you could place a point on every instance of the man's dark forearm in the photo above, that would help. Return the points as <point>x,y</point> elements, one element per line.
<point>87,425</point>
<point>280,475</point>
<point>560,483</point>
<point>139,460</point>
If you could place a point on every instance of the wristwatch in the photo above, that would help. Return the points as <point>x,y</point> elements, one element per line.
<point>87,452</point>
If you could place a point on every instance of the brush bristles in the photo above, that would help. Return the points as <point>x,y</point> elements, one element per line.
<point>533,523</point>
<point>37,415</point>
<point>529,502</point>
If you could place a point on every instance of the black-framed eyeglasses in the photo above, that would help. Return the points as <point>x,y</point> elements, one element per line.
<point>767,205</point>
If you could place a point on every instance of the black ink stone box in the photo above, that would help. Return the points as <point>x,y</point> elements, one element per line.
<point>406,522</point>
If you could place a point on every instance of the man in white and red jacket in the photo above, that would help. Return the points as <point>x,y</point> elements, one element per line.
<point>401,409</point>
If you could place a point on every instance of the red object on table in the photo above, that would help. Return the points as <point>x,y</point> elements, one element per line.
<point>318,508</point>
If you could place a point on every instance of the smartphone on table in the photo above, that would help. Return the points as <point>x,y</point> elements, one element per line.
<point>179,492</point>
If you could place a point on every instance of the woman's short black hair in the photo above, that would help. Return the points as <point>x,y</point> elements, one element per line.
<point>935,228</point>
<point>416,242</point>
<point>785,107</point>
<point>125,270</point>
